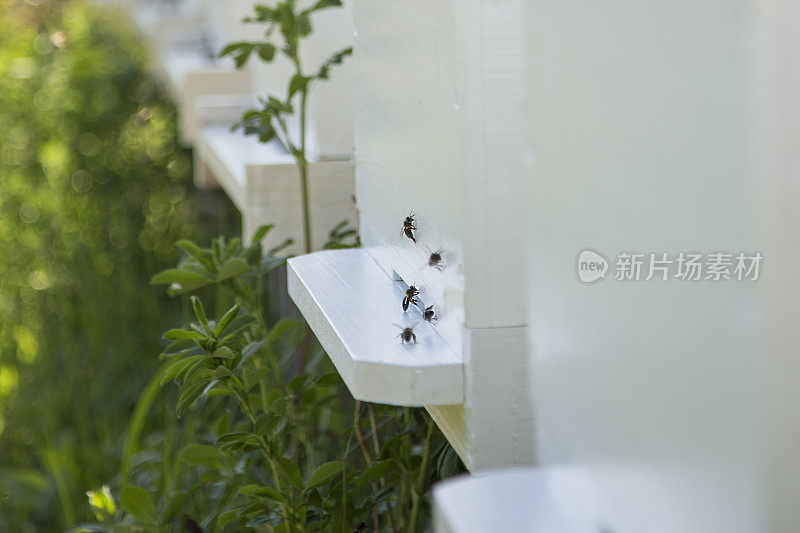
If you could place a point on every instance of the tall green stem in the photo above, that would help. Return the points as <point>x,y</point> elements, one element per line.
<point>302,167</point>
<point>417,492</point>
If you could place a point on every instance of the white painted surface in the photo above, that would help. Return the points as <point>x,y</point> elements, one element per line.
<point>192,75</point>
<point>522,500</point>
<point>264,184</point>
<point>355,309</point>
<point>668,127</point>
<point>436,134</point>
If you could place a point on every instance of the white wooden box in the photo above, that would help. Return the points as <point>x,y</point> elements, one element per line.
<point>263,182</point>
<point>439,124</point>
<point>192,74</point>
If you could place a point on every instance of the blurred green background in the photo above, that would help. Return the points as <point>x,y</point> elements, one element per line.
<point>94,191</point>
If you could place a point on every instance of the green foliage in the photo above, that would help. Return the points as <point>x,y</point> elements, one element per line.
<point>270,122</point>
<point>267,437</point>
<point>93,194</point>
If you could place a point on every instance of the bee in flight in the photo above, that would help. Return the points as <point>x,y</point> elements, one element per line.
<point>429,314</point>
<point>407,335</point>
<point>410,298</point>
<point>436,261</point>
<point>409,228</point>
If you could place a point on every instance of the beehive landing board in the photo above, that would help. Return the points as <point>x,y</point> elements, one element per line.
<point>352,306</point>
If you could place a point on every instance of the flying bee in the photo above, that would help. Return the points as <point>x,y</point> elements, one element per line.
<point>409,228</point>
<point>436,261</point>
<point>411,297</point>
<point>407,335</point>
<point>429,315</point>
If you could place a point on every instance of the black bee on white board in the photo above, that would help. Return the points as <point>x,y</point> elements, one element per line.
<point>436,261</point>
<point>429,314</point>
<point>409,227</point>
<point>407,336</point>
<point>410,297</point>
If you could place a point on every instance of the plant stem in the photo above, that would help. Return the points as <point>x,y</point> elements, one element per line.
<point>302,167</point>
<point>362,444</point>
<point>417,492</point>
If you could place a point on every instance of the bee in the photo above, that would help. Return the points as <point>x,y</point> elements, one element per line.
<point>436,261</point>
<point>429,314</point>
<point>407,335</point>
<point>409,228</point>
<point>410,298</point>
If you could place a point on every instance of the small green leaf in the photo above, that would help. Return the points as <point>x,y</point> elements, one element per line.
<point>176,368</point>
<point>201,314</point>
<point>262,492</point>
<point>138,502</point>
<point>201,454</point>
<point>266,51</point>
<point>374,472</point>
<point>228,516</point>
<point>289,471</point>
<point>224,352</point>
<point>226,319</point>
<point>324,474</point>
<point>182,280</point>
<point>178,334</point>
<point>231,268</point>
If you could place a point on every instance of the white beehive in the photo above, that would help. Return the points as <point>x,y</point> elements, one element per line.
<point>661,406</point>
<point>437,134</point>
<point>263,181</point>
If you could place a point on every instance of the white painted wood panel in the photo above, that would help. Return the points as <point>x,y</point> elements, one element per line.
<point>264,184</point>
<point>352,306</point>
<point>421,107</point>
<point>668,127</point>
<point>192,74</point>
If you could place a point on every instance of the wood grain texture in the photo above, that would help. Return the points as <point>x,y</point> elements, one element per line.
<point>351,305</point>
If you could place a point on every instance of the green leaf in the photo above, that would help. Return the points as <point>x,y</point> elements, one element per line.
<point>201,314</point>
<point>178,334</point>
<point>240,51</point>
<point>266,51</point>
<point>374,472</point>
<point>224,352</point>
<point>298,83</point>
<point>201,255</point>
<point>233,267</point>
<point>222,372</point>
<point>289,471</point>
<point>261,232</point>
<point>324,474</point>
<point>260,491</point>
<point>228,516</point>
<point>322,4</point>
<point>182,280</point>
<point>201,454</point>
<point>138,502</point>
<point>226,319</point>
<point>176,368</point>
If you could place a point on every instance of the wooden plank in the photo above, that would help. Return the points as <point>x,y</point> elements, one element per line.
<point>352,306</point>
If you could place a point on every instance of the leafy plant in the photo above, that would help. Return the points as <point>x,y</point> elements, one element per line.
<point>263,444</point>
<point>94,192</point>
<point>272,120</point>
